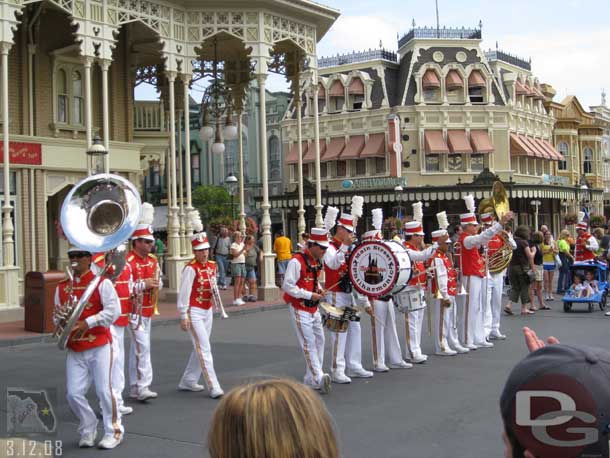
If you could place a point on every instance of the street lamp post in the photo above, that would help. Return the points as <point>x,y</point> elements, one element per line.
<point>231,182</point>
<point>536,204</point>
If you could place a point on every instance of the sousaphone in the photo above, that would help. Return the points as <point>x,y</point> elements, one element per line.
<point>499,205</point>
<point>98,215</point>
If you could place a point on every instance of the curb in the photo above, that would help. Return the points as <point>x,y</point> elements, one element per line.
<point>47,338</point>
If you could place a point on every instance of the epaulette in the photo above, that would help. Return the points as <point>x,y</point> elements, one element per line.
<point>130,257</point>
<point>212,262</point>
<point>191,262</point>
<point>98,258</point>
<point>150,255</point>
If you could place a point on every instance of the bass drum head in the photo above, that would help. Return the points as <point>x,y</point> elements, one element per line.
<point>375,268</point>
<point>406,268</point>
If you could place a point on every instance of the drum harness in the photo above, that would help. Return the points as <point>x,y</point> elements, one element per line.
<point>313,270</point>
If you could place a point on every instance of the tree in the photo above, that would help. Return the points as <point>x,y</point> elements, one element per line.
<point>213,202</point>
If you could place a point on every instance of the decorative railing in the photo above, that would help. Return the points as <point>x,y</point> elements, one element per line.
<point>149,115</point>
<point>509,59</point>
<point>357,56</point>
<point>440,33</point>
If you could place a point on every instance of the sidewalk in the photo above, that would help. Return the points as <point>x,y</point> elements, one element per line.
<point>12,330</point>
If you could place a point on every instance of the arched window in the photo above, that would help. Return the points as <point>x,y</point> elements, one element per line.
<point>476,87</point>
<point>355,92</point>
<point>431,87</point>
<point>77,98</point>
<point>274,159</point>
<point>62,96</point>
<point>587,165</point>
<point>564,149</point>
<point>336,97</point>
<point>454,84</point>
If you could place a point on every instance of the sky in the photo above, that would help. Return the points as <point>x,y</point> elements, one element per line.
<point>567,40</point>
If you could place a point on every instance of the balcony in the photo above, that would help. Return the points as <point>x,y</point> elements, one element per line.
<point>149,116</point>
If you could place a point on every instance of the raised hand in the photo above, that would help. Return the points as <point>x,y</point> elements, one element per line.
<point>533,342</point>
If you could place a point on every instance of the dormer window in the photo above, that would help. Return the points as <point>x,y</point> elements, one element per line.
<point>431,87</point>
<point>336,97</point>
<point>356,94</point>
<point>455,87</point>
<point>476,87</point>
<point>321,98</point>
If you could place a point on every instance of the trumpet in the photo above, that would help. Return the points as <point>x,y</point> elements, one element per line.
<point>137,301</point>
<point>217,300</point>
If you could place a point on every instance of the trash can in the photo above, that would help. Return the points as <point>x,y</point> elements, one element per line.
<point>39,300</point>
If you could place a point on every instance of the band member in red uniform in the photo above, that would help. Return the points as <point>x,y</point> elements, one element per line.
<point>195,301</point>
<point>346,346</point>
<point>473,270</point>
<point>90,352</point>
<point>147,282</point>
<point>495,283</point>
<point>302,292</point>
<point>122,285</point>
<point>385,338</point>
<point>444,290</point>
<point>586,244</point>
<point>414,316</point>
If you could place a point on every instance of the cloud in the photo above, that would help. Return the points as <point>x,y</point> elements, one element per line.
<point>357,33</point>
<point>575,62</point>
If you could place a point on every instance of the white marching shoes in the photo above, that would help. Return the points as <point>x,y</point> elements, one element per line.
<point>419,359</point>
<point>146,393</point>
<point>340,378</point>
<point>447,352</point>
<point>359,373</point>
<point>190,387</point>
<point>87,440</point>
<point>401,365</point>
<point>109,442</point>
<point>125,410</point>
<point>461,349</point>
<point>216,393</point>
<point>497,336</point>
<point>381,368</point>
<point>326,384</point>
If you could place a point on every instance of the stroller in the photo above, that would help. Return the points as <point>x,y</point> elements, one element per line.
<point>598,297</point>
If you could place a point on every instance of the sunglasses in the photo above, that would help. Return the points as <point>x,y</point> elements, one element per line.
<point>145,241</point>
<point>78,255</point>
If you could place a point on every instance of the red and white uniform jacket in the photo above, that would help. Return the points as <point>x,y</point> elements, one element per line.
<point>586,246</point>
<point>300,281</point>
<point>141,269</point>
<point>445,275</point>
<point>471,262</point>
<point>101,310</point>
<point>335,265</point>
<point>123,286</point>
<point>418,260</point>
<point>195,287</point>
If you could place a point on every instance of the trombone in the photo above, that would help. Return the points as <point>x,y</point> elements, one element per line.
<point>216,299</point>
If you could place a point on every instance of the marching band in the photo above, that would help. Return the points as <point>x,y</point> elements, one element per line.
<point>327,284</point>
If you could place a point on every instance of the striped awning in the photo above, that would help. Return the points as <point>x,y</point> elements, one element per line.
<point>354,147</point>
<point>375,147</point>
<point>458,143</point>
<point>434,142</point>
<point>293,155</point>
<point>311,152</point>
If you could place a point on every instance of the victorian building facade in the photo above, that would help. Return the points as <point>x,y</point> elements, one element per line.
<point>434,122</point>
<point>69,69</point>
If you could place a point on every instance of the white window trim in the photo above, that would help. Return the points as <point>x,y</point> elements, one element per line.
<point>63,60</point>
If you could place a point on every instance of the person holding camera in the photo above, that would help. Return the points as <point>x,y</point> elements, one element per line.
<point>521,264</point>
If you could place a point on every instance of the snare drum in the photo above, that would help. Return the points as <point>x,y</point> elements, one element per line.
<point>379,268</point>
<point>333,318</point>
<point>409,301</point>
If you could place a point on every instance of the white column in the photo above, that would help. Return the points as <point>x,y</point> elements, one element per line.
<point>187,149</point>
<point>7,223</point>
<point>269,290</point>
<point>316,139</point>
<point>105,64</point>
<point>242,204</point>
<point>87,62</point>
<point>174,262</point>
<point>301,226</point>
<point>183,248</point>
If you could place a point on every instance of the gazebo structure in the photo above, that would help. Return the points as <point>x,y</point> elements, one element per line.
<point>68,72</point>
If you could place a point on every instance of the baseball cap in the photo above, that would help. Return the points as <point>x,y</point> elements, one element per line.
<point>556,402</point>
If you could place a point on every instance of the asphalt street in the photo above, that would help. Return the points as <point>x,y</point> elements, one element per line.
<point>447,407</point>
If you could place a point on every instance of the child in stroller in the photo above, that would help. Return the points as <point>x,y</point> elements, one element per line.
<point>579,287</point>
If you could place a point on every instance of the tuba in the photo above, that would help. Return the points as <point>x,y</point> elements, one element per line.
<point>98,215</point>
<point>498,204</point>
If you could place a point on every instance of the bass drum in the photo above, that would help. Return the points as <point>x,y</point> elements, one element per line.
<point>379,268</point>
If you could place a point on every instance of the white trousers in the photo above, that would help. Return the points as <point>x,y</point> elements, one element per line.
<point>494,292</point>
<point>413,325</point>
<point>385,336</point>
<point>118,362</point>
<point>201,361</point>
<point>140,366</point>
<point>445,326</point>
<point>308,327</point>
<point>472,312</point>
<point>83,368</point>
<point>346,346</point>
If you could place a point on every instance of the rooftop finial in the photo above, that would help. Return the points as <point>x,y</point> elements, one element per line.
<point>496,45</point>
<point>480,24</point>
<point>603,97</point>
<point>380,44</point>
<point>413,23</point>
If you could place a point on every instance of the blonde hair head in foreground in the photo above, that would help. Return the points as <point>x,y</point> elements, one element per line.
<point>275,418</point>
